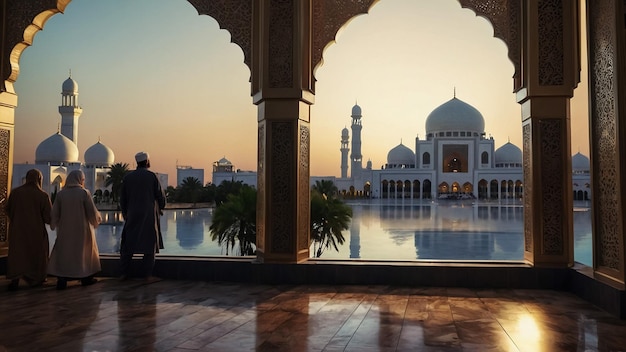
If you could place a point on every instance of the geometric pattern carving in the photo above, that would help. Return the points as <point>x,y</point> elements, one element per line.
<point>303,186</point>
<point>17,15</point>
<point>281,31</point>
<point>608,230</point>
<point>505,17</point>
<point>282,142</point>
<point>5,138</point>
<point>551,137</point>
<point>528,185</point>
<point>235,16</point>
<point>261,190</point>
<point>328,17</point>
<point>551,51</point>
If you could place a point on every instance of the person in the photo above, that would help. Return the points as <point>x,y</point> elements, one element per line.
<point>74,216</point>
<point>142,201</point>
<point>28,209</point>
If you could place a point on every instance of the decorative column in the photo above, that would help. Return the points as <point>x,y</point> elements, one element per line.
<point>607,106</point>
<point>8,103</point>
<point>283,91</point>
<point>550,61</point>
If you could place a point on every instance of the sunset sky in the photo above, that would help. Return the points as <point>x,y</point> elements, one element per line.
<point>155,76</point>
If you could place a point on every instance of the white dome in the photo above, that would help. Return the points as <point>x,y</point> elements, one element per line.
<point>508,153</point>
<point>55,150</point>
<point>400,155</point>
<point>224,161</point>
<point>99,155</point>
<point>356,111</point>
<point>580,163</point>
<point>455,115</point>
<point>69,87</point>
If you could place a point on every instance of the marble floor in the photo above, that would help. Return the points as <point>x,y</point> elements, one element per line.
<point>169,315</point>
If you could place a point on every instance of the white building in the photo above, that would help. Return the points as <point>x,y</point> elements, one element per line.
<point>58,155</point>
<point>183,172</point>
<point>454,161</point>
<point>224,170</point>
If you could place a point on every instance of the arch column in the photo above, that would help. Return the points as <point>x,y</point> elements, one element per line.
<point>607,88</point>
<point>550,61</point>
<point>282,88</point>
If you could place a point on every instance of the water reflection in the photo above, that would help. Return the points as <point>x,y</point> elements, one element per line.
<point>384,230</point>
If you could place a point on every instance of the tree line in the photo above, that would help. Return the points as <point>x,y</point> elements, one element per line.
<point>233,224</point>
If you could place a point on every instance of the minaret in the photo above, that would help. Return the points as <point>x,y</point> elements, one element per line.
<point>69,109</point>
<point>356,156</point>
<point>345,139</point>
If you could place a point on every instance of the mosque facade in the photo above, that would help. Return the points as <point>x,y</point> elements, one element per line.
<point>455,160</point>
<point>58,155</point>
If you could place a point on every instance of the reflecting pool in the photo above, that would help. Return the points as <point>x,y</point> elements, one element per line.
<point>383,230</point>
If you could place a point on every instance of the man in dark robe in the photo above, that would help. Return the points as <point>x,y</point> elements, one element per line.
<point>142,201</point>
<point>28,208</point>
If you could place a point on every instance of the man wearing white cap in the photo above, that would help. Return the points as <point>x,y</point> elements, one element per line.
<point>142,201</point>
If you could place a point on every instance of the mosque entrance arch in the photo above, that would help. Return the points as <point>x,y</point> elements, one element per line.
<point>282,57</point>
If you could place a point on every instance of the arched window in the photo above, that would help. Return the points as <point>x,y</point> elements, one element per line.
<point>484,158</point>
<point>426,159</point>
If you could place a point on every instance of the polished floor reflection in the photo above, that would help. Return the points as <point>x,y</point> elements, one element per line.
<point>170,315</point>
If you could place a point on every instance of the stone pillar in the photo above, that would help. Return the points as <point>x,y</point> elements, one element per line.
<point>607,106</point>
<point>282,87</point>
<point>550,62</point>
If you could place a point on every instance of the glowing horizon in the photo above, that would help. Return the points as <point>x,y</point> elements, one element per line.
<point>140,66</point>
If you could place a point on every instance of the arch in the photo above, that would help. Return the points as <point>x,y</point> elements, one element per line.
<point>426,158</point>
<point>443,188</point>
<point>468,188</point>
<point>484,158</point>
<point>19,40</point>
<point>483,187</point>
<point>367,189</point>
<point>385,189</point>
<point>407,189</point>
<point>519,189</point>
<point>416,189</point>
<point>455,188</point>
<point>427,189</point>
<point>494,189</point>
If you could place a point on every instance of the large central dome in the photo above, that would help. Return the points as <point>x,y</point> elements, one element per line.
<point>56,150</point>
<point>455,115</point>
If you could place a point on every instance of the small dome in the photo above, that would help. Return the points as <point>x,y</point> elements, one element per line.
<point>224,161</point>
<point>99,155</point>
<point>580,163</point>
<point>55,150</point>
<point>400,155</point>
<point>455,115</point>
<point>356,111</point>
<point>508,153</point>
<point>69,87</point>
<point>345,132</point>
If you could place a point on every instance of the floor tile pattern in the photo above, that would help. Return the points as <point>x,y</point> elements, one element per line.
<point>168,315</point>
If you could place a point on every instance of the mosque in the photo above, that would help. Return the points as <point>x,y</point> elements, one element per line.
<point>455,161</point>
<point>58,155</point>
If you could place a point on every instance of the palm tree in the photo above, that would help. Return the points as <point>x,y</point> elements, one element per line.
<point>329,217</point>
<point>114,179</point>
<point>326,187</point>
<point>190,190</point>
<point>226,188</point>
<point>234,221</point>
